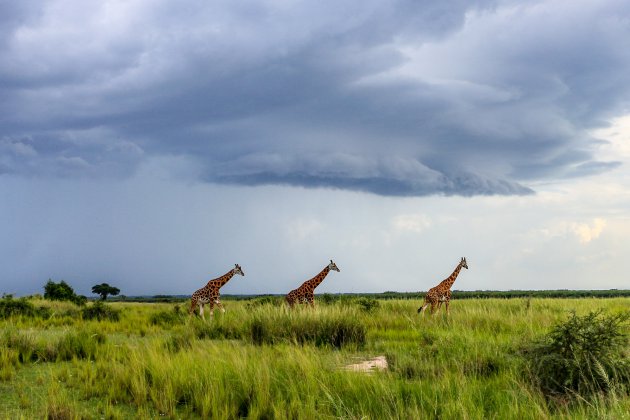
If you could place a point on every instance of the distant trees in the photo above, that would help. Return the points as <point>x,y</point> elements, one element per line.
<point>62,291</point>
<point>104,290</point>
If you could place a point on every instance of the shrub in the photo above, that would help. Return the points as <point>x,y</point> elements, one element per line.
<point>328,299</point>
<point>79,300</point>
<point>368,304</point>
<point>15,307</point>
<point>62,291</point>
<point>100,312</point>
<point>584,356</point>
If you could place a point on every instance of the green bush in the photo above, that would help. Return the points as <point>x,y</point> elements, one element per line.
<point>100,311</point>
<point>328,299</point>
<point>62,291</point>
<point>368,304</point>
<point>15,307</point>
<point>584,356</point>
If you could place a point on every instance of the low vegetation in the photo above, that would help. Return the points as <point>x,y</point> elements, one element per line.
<point>10,307</point>
<point>585,357</point>
<point>100,311</point>
<point>490,358</point>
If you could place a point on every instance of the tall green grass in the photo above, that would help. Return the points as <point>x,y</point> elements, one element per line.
<point>335,327</point>
<point>264,361</point>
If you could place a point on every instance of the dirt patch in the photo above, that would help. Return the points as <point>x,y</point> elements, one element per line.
<point>368,366</point>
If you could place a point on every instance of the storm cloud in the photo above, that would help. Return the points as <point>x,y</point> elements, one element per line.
<point>397,98</point>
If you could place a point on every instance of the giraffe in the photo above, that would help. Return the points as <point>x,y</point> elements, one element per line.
<point>442,292</point>
<point>304,293</point>
<point>210,292</point>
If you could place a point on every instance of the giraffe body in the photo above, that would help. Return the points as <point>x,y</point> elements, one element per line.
<point>305,293</point>
<point>209,294</point>
<point>441,293</point>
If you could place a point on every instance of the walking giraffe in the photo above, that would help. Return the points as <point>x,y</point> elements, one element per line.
<point>442,292</point>
<point>304,293</point>
<point>210,292</point>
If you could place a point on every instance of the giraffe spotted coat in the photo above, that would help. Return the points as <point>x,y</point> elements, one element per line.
<point>209,294</point>
<point>305,293</point>
<point>442,292</point>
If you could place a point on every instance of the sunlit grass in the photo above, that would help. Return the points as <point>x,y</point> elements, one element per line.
<point>264,361</point>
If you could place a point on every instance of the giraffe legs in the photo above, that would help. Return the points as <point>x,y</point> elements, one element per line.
<point>220,305</point>
<point>434,306</point>
<point>436,303</point>
<point>439,305</point>
<point>447,300</point>
<point>201,310</point>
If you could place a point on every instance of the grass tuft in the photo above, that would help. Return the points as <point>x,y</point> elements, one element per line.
<point>168,318</point>
<point>331,328</point>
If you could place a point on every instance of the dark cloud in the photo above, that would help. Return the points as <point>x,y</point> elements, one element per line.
<point>409,98</point>
<point>389,177</point>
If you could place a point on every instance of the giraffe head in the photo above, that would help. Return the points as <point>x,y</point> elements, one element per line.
<point>464,263</point>
<point>332,266</point>
<point>238,270</point>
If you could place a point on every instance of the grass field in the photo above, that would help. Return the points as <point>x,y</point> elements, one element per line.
<point>259,360</point>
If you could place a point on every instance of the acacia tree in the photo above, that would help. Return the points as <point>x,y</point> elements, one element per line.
<point>105,289</point>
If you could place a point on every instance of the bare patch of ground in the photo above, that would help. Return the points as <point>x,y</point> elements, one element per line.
<point>368,366</point>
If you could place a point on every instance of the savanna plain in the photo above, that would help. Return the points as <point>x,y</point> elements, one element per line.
<point>261,360</point>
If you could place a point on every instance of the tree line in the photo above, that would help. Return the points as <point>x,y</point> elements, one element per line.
<point>63,291</point>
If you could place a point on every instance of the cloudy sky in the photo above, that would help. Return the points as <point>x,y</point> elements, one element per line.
<point>154,144</point>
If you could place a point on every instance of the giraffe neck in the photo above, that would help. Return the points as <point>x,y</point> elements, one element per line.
<point>315,281</point>
<point>222,280</point>
<point>448,282</point>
